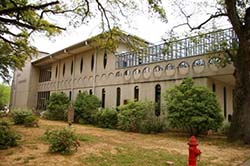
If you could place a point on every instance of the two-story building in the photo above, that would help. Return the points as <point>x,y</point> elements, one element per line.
<point>122,75</point>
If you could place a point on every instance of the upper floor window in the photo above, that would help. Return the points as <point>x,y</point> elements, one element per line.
<point>92,62</point>
<point>72,67</point>
<point>81,65</point>
<point>63,72</point>
<point>45,74</point>
<point>105,59</point>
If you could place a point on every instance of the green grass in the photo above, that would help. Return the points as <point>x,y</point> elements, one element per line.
<point>135,156</point>
<point>88,138</point>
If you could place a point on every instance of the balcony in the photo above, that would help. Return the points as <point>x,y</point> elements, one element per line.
<point>211,42</point>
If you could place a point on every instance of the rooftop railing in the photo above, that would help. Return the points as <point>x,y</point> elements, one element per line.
<point>175,49</point>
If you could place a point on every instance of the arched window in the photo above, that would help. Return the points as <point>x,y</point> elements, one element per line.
<point>157,100</point>
<point>72,67</point>
<point>136,93</point>
<point>103,98</point>
<point>105,59</point>
<point>92,62</point>
<point>225,101</point>
<point>56,71</point>
<point>213,87</point>
<point>70,95</point>
<point>90,92</point>
<point>81,65</point>
<point>63,69</point>
<point>118,96</point>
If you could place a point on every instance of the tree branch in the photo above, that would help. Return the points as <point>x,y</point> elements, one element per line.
<point>234,17</point>
<point>27,7</point>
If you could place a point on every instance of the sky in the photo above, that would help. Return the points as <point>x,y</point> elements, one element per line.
<point>141,24</point>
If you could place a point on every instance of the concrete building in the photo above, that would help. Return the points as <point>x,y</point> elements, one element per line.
<point>121,76</point>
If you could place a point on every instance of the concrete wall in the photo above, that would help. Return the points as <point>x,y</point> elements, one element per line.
<point>145,76</point>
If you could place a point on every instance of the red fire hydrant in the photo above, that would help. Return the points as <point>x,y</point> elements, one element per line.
<point>193,151</point>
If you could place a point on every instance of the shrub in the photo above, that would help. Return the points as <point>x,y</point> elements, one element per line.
<point>57,106</point>
<point>106,118</point>
<point>8,138</point>
<point>85,107</point>
<point>31,121</point>
<point>61,140</point>
<point>140,117</point>
<point>193,108</point>
<point>225,127</point>
<point>18,115</point>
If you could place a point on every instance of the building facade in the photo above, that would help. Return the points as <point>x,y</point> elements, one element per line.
<point>118,77</point>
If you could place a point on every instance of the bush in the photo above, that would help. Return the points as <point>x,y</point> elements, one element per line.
<point>19,115</point>
<point>225,127</point>
<point>140,117</point>
<point>57,106</point>
<point>85,107</point>
<point>8,138</point>
<point>61,140</point>
<point>193,108</point>
<point>31,121</point>
<point>106,118</point>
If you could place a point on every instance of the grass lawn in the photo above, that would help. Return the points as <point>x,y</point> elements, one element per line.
<point>104,147</point>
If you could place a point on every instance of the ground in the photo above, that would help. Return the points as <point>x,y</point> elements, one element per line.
<point>105,147</point>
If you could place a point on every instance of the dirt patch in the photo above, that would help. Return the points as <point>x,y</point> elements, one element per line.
<point>33,151</point>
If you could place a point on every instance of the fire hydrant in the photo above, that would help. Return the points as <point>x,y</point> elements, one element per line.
<point>193,151</point>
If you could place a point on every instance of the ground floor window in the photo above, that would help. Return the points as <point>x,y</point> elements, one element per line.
<point>42,100</point>
<point>103,98</point>
<point>157,100</point>
<point>136,93</point>
<point>118,96</point>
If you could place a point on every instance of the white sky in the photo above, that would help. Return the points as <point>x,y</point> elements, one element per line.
<point>142,25</point>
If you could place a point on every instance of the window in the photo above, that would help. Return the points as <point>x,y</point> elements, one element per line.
<point>225,101</point>
<point>103,98</point>
<point>157,100</point>
<point>105,59</point>
<point>118,96</point>
<point>213,87</point>
<point>45,74</point>
<point>70,95</point>
<point>92,62</point>
<point>81,65</point>
<point>63,69</point>
<point>56,72</point>
<point>90,92</point>
<point>42,100</point>
<point>136,93</point>
<point>72,67</point>
<point>79,91</point>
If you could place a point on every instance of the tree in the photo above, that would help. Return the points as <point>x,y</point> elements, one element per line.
<point>238,14</point>
<point>19,19</point>
<point>4,95</point>
<point>194,108</point>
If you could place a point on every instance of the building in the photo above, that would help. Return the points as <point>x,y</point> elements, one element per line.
<point>127,75</point>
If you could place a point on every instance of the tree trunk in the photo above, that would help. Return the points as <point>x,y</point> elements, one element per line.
<point>240,127</point>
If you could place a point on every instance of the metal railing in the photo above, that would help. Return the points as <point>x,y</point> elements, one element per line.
<point>175,49</point>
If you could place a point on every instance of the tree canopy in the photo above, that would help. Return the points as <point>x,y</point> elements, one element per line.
<point>194,108</point>
<point>19,19</point>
